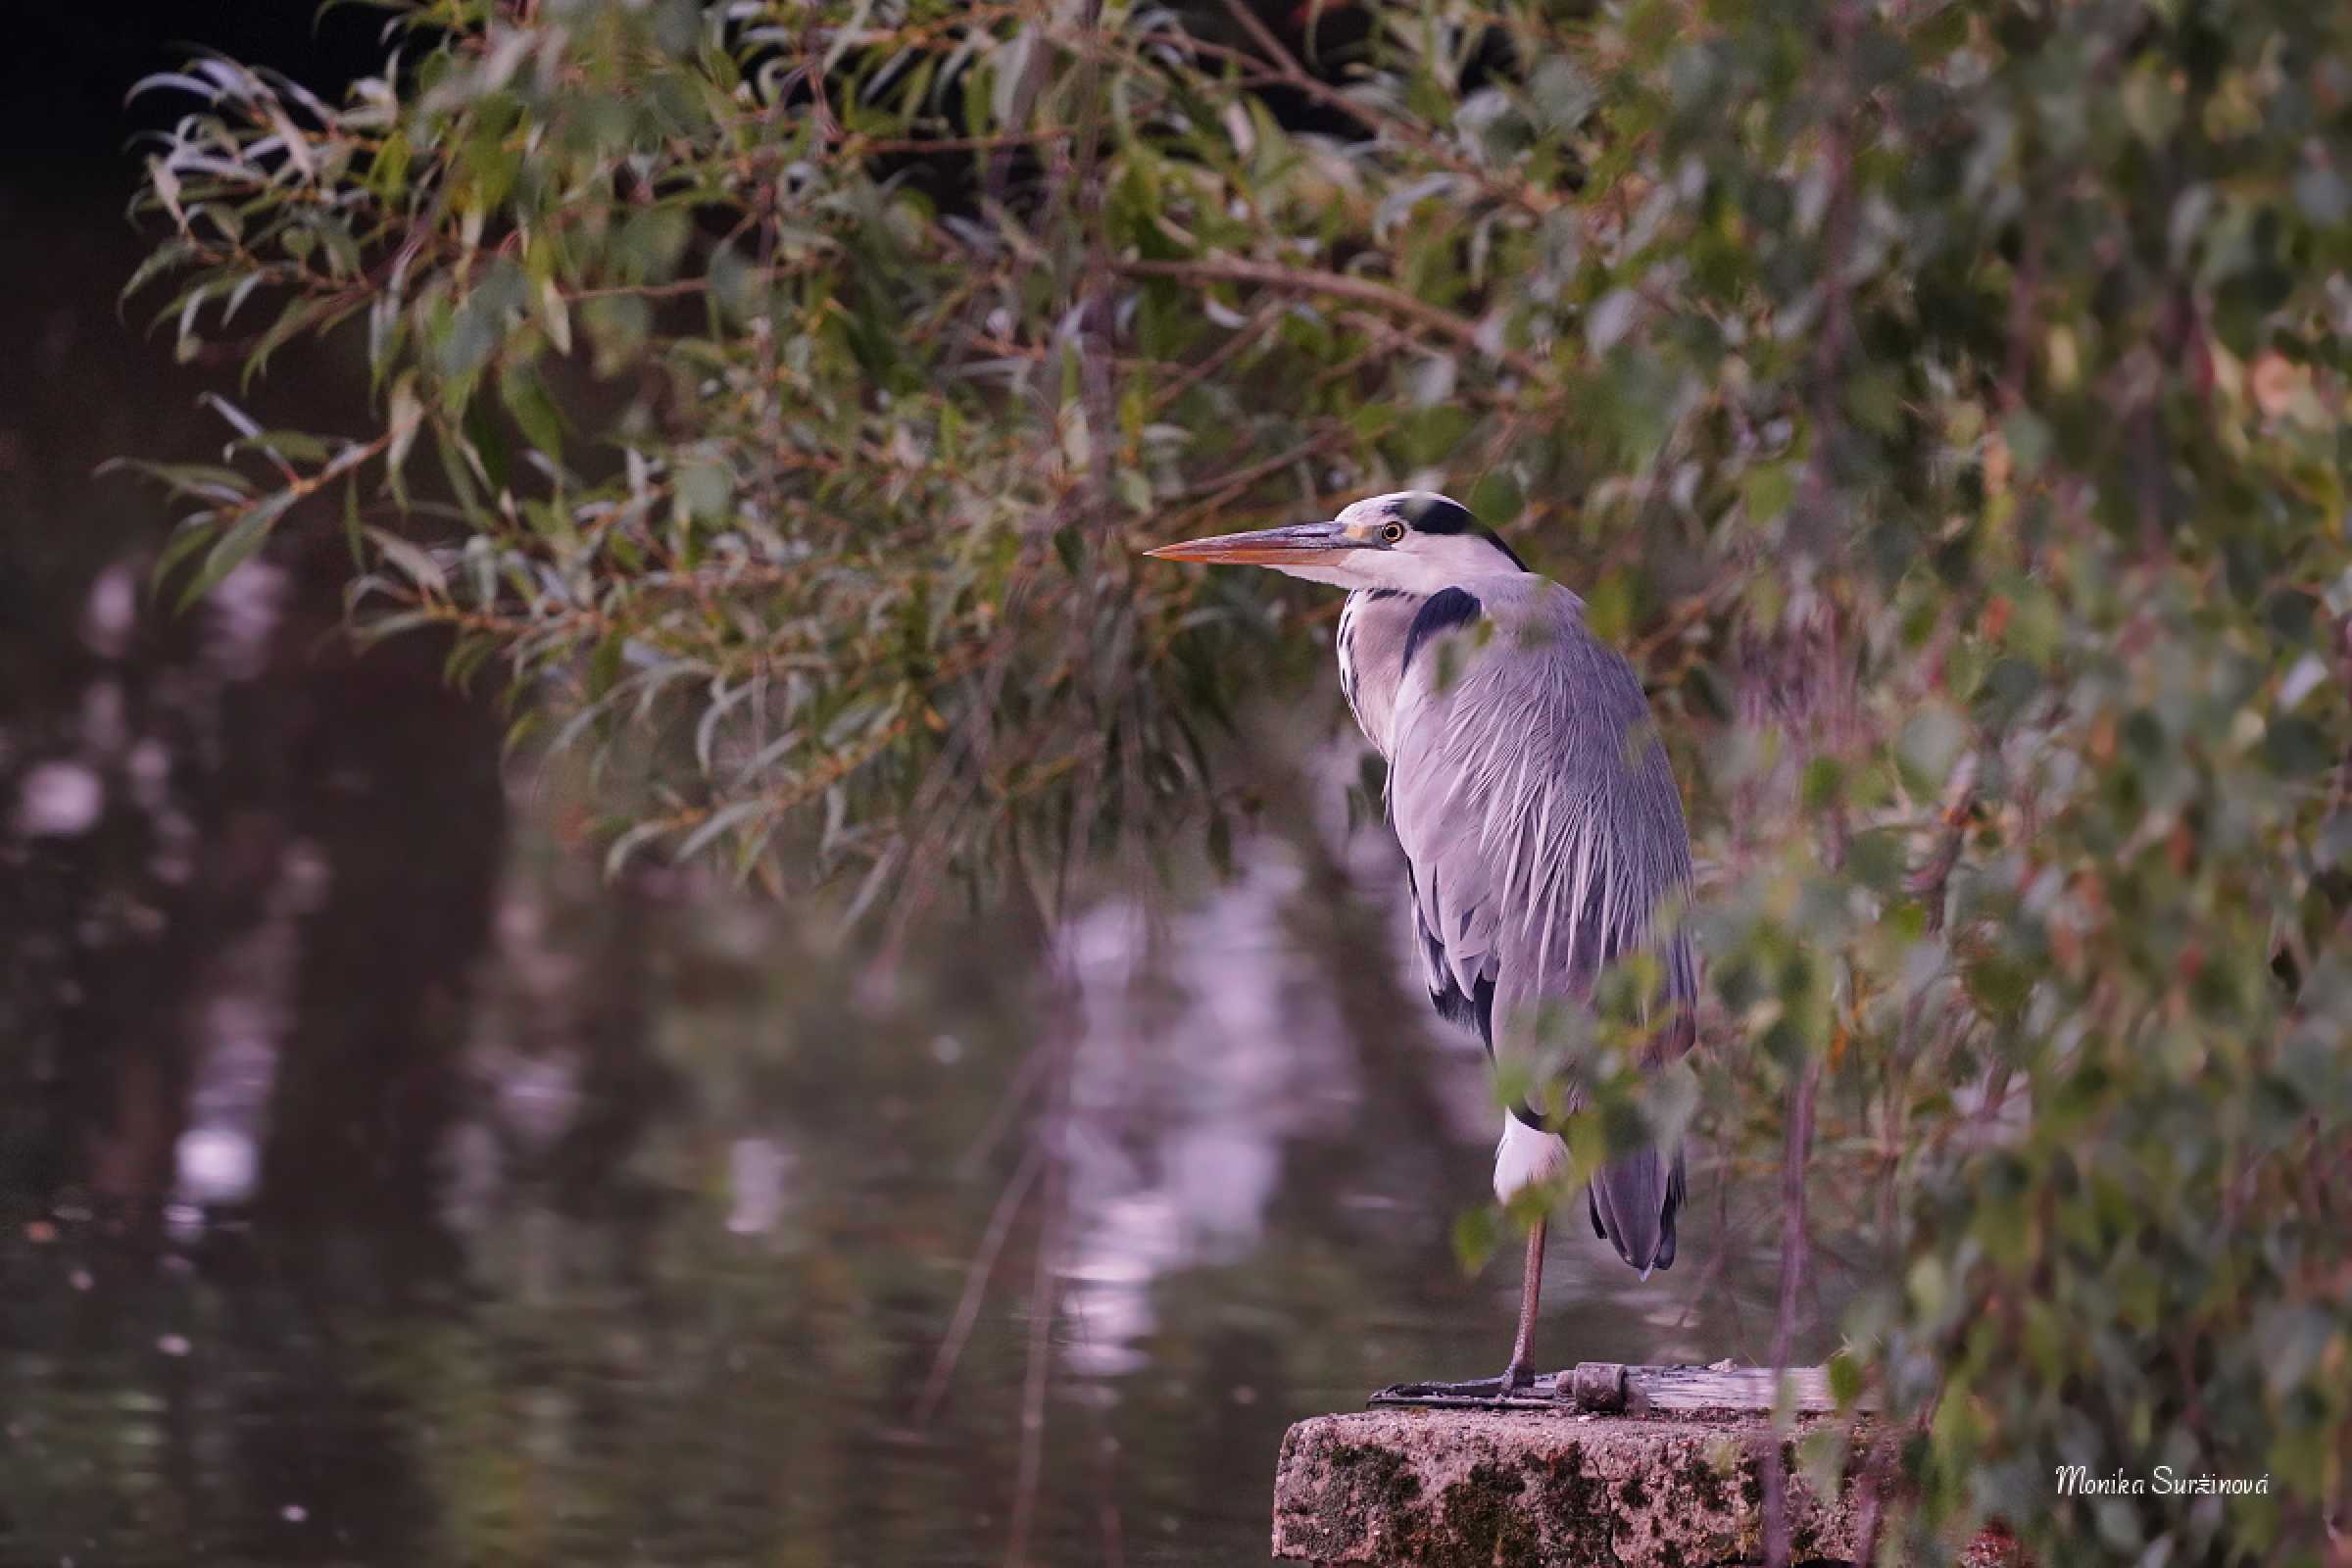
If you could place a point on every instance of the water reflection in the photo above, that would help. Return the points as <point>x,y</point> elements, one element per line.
<point>1183,1095</point>
<point>379,1184</point>
<point>609,1228</point>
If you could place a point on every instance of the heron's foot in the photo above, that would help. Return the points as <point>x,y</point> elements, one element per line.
<point>1516,1389</point>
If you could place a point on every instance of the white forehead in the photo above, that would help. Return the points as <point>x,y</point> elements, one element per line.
<point>1379,509</point>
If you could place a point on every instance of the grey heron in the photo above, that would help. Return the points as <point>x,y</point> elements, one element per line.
<point>1536,810</point>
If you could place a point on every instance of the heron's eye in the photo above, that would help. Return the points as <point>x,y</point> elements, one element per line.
<point>1393,532</point>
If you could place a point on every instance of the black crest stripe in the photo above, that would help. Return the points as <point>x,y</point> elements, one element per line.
<point>1496,540</point>
<point>1440,515</point>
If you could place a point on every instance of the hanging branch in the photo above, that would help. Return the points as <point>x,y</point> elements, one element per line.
<point>1394,302</point>
<point>1802,1090</point>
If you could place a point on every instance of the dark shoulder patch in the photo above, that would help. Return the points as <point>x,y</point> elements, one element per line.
<point>1442,610</point>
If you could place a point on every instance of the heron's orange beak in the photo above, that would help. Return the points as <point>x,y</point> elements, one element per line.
<point>1263,547</point>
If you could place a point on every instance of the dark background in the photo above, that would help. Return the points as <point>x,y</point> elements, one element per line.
<point>98,961</point>
<point>69,167</point>
<point>62,85</point>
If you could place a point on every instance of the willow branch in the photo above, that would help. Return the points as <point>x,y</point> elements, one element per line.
<point>1339,285</point>
<point>1290,74</point>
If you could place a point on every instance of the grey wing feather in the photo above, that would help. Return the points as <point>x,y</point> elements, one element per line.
<point>1542,826</point>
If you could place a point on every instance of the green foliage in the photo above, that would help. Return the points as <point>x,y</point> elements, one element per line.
<point>1947,402</point>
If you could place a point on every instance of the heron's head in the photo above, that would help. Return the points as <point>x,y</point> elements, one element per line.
<point>1415,541</point>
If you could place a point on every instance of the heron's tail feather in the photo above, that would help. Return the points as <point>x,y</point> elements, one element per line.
<point>1632,1202</point>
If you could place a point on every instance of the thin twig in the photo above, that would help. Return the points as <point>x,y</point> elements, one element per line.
<point>1869,1506</point>
<point>1240,338</point>
<point>1793,1274</point>
<point>1295,76</point>
<point>975,1284</point>
<point>876,146</point>
<point>1337,285</point>
<point>1042,1307</point>
<point>1218,486</point>
<point>1025,1078</point>
<point>1051,1149</point>
<point>1926,884</point>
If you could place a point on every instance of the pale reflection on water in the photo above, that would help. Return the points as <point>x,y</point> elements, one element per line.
<point>1181,1114</point>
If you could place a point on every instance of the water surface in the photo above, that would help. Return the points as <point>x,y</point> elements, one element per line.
<point>379,1184</point>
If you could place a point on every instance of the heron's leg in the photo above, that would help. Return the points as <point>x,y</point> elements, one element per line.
<point>1520,1371</point>
<point>1518,1385</point>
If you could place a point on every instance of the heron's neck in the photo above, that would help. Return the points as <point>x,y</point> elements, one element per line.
<point>1371,645</point>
